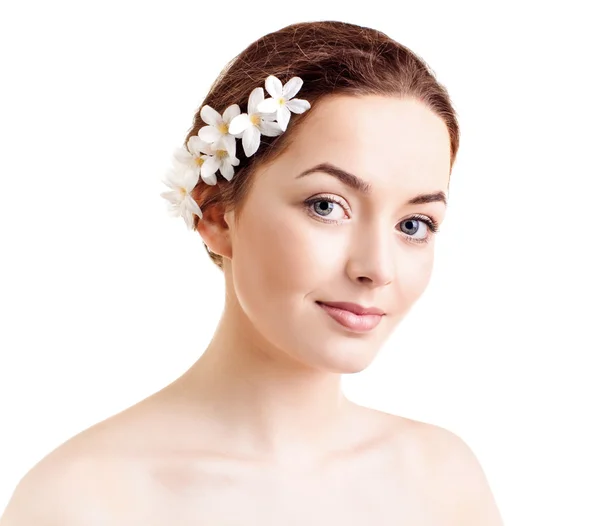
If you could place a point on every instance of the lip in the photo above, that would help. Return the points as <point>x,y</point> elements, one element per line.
<point>351,320</point>
<point>353,307</point>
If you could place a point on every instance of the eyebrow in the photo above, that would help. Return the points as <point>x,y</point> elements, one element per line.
<point>363,187</point>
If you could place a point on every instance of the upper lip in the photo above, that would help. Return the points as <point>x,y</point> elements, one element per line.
<point>353,307</point>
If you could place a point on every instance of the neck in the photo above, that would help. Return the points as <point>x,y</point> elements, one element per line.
<point>261,401</point>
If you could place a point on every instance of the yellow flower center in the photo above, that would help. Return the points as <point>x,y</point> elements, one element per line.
<point>183,191</point>
<point>281,101</point>
<point>224,128</point>
<point>255,119</point>
<point>221,154</point>
<point>199,161</point>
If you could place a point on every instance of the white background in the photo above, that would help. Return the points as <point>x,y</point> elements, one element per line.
<point>105,299</point>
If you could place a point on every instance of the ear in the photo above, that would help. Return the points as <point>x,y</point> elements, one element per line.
<point>214,230</point>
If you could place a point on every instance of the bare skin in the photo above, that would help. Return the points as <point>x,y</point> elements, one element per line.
<point>258,430</point>
<point>157,462</point>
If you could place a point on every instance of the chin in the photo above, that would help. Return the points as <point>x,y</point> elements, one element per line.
<point>340,356</point>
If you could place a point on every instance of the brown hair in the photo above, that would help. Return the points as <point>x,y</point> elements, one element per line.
<point>331,58</point>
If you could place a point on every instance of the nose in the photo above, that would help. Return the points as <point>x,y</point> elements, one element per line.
<point>371,260</point>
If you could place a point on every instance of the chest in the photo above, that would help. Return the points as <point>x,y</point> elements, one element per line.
<point>350,497</point>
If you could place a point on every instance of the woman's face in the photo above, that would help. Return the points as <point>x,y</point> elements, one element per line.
<point>303,239</point>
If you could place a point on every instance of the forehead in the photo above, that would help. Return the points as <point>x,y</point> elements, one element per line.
<point>387,140</point>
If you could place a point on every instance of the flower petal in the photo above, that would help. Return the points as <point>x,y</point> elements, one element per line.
<point>190,179</point>
<point>231,112</point>
<point>183,156</point>
<point>268,106</point>
<point>270,129</point>
<point>273,86</point>
<point>292,87</point>
<point>192,206</point>
<point>256,97</point>
<point>298,105</point>
<point>208,169</point>
<point>228,141</point>
<point>210,116</point>
<point>251,141</point>
<point>283,117</point>
<point>173,211</point>
<point>197,145</point>
<point>209,134</point>
<point>226,171</point>
<point>172,179</point>
<point>267,116</point>
<point>172,196</point>
<point>239,124</point>
<point>188,217</point>
<point>178,174</point>
<point>210,179</point>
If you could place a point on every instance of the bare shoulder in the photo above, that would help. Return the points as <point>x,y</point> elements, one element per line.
<point>77,478</point>
<point>453,471</point>
<point>48,494</point>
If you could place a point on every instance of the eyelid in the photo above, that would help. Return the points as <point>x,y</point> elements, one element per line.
<point>331,197</point>
<point>432,221</point>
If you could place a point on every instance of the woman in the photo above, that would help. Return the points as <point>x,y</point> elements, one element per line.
<point>319,200</point>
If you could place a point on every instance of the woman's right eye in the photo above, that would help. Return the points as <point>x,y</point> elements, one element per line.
<point>324,206</point>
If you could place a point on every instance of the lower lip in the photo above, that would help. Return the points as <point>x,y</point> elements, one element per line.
<point>355,322</point>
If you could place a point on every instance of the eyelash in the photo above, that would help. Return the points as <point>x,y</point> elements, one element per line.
<point>431,223</point>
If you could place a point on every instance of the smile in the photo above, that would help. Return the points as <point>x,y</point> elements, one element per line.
<point>350,320</point>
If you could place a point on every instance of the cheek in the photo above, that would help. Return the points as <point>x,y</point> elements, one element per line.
<point>414,274</point>
<point>277,256</point>
<point>424,273</point>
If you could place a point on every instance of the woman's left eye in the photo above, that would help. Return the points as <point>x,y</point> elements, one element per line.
<point>419,227</point>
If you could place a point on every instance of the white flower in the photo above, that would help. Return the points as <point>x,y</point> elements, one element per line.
<point>253,123</point>
<point>281,100</point>
<point>182,180</point>
<point>194,157</point>
<point>218,158</point>
<point>217,131</point>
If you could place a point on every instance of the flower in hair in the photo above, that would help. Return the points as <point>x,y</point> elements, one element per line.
<point>217,131</point>
<point>218,157</point>
<point>213,148</point>
<point>254,123</point>
<point>193,157</point>
<point>282,100</point>
<point>182,180</point>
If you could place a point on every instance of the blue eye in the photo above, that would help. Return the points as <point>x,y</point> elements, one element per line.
<point>414,222</point>
<point>323,210</point>
<point>413,227</point>
<point>324,206</point>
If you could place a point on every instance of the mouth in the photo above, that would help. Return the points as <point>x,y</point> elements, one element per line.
<point>359,319</point>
